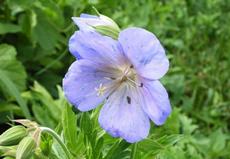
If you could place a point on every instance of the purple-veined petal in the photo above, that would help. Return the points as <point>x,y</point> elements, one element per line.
<point>157,104</point>
<point>122,115</point>
<point>145,52</point>
<point>96,47</point>
<point>81,82</point>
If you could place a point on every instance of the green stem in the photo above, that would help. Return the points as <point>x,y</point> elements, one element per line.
<point>134,151</point>
<point>58,138</point>
<point>98,14</point>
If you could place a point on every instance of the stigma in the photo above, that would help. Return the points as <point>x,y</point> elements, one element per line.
<point>100,90</point>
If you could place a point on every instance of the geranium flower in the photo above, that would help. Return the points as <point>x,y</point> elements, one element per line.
<point>122,74</point>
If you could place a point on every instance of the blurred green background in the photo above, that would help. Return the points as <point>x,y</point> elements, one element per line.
<point>34,58</point>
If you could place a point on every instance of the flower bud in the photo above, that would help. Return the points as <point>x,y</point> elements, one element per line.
<point>26,148</point>
<point>100,23</point>
<point>8,150</point>
<point>12,136</point>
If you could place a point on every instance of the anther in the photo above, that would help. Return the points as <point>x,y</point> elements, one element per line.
<point>137,84</point>
<point>128,100</point>
<point>141,85</point>
<point>110,78</point>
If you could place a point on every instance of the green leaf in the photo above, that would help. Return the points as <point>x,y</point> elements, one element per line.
<point>134,153</point>
<point>13,91</point>
<point>9,28</point>
<point>6,107</point>
<point>118,150</point>
<point>18,6</point>
<point>46,33</point>
<point>12,76</point>
<point>11,67</point>
<point>69,124</point>
<point>156,145</point>
<point>39,112</point>
<point>28,21</point>
<point>44,103</point>
<point>97,151</point>
<point>218,141</point>
<point>187,126</point>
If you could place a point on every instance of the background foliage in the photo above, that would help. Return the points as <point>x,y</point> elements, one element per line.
<point>34,58</point>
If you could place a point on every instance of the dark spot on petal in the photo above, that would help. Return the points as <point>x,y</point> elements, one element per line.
<point>107,97</point>
<point>128,99</point>
<point>131,66</point>
<point>112,78</point>
<point>141,85</point>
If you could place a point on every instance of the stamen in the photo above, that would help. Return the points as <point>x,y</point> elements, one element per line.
<point>126,71</point>
<point>110,78</point>
<point>137,84</point>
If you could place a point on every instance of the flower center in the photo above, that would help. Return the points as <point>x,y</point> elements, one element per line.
<point>130,76</point>
<point>125,74</point>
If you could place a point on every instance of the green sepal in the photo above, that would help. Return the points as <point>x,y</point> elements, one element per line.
<point>26,148</point>
<point>108,31</point>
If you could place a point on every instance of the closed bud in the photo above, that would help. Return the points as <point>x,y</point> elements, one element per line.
<point>99,23</point>
<point>13,136</point>
<point>8,150</point>
<point>26,148</point>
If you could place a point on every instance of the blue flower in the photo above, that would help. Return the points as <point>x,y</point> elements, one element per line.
<point>124,75</point>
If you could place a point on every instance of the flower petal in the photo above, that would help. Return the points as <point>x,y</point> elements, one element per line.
<point>86,21</point>
<point>80,83</point>
<point>157,104</point>
<point>145,52</point>
<point>96,47</point>
<point>122,115</point>
<point>72,46</point>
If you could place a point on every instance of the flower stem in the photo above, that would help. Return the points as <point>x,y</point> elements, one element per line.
<point>58,138</point>
<point>134,151</point>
